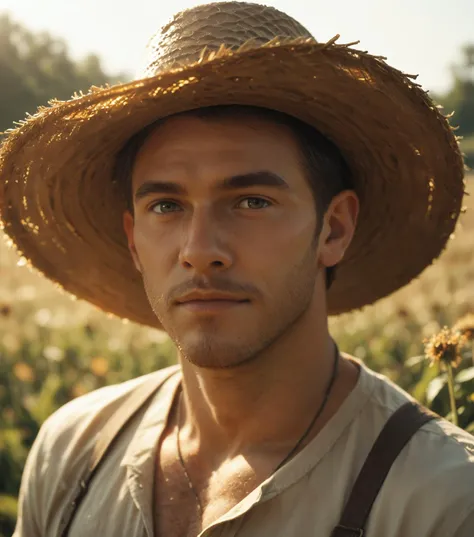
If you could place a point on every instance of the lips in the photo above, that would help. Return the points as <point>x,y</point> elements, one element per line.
<point>210,296</point>
<point>210,304</point>
<point>211,300</point>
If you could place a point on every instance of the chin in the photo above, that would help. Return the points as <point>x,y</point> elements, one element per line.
<point>208,353</point>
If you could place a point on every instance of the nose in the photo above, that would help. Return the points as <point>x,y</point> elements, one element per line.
<point>204,248</point>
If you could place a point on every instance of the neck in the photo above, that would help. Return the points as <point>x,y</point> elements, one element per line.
<point>264,404</point>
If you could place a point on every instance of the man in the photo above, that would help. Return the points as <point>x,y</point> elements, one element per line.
<point>239,178</point>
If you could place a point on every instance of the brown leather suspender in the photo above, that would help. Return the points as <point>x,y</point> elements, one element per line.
<point>132,404</point>
<point>398,430</point>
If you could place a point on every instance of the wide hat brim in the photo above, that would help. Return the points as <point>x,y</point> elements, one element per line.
<point>62,210</point>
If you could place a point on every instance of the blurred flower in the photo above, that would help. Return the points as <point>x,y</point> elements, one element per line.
<point>42,317</point>
<point>403,313</point>
<point>27,292</point>
<point>465,327</point>
<point>99,366</point>
<point>59,319</point>
<point>23,372</point>
<point>54,354</point>
<point>444,347</point>
<point>11,342</point>
<point>78,390</point>
<point>430,327</point>
<point>114,344</point>
<point>5,310</point>
<point>360,352</point>
<point>30,401</point>
<point>157,336</point>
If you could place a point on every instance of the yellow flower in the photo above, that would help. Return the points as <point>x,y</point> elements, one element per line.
<point>444,347</point>
<point>23,372</point>
<point>99,366</point>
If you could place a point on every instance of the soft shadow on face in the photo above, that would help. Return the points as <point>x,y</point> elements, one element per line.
<point>252,240</point>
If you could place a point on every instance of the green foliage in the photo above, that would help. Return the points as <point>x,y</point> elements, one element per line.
<point>467,146</point>
<point>460,97</point>
<point>8,510</point>
<point>35,68</point>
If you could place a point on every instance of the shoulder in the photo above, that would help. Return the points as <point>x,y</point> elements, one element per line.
<point>440,456</point>
<point>89,411</point>
<point>63,446</point>
<point>438,439</point>
<point>76,425</point>
<point>430,487</point>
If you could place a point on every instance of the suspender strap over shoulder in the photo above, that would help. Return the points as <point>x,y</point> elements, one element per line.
<point>397,432</point>
<point>135,400</point>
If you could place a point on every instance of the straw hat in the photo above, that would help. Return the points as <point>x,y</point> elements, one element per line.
<point>61,208</point>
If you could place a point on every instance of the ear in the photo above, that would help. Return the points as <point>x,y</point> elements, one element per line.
<point>338,228</point>
<point>128,226</point>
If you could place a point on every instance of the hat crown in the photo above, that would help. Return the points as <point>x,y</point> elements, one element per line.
<point>209,26</point>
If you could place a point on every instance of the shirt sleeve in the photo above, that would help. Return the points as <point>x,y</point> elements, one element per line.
<point>466,529</point>
<point>29,520</point>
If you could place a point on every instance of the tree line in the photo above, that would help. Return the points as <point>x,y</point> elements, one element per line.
<point>36,67</point>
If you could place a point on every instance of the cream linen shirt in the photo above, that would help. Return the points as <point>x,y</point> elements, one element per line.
<point>429,491</point>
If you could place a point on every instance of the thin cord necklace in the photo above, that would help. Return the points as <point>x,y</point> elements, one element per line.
<point>293,450</point>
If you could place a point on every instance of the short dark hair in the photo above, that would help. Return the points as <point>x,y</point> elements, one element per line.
<point>327,172</point>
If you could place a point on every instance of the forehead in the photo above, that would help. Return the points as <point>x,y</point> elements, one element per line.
<point>240,143</point>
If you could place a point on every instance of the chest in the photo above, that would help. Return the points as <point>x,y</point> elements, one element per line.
<point>157,500</point>
<point>176,510</point>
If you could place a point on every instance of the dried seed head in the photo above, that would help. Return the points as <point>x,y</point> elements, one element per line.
<point>444,347</point>
<point>465,327</point>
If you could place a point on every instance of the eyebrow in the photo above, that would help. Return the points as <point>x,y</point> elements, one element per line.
<point>247,180</point>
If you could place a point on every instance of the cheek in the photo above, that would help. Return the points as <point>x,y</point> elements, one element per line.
<point>152,246</point>
<point>289,238</point>
<point>275,254</point>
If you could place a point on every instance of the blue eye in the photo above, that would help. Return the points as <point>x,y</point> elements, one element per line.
<point>167,206</point>
<point>255,203</point>
<point>164,207</point>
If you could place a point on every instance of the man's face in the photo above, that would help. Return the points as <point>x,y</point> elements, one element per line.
<point>223,209</point>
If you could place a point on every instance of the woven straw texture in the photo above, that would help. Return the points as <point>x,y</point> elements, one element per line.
<point>63,211</point>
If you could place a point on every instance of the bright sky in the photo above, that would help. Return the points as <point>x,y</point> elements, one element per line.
<point>418,36</point>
